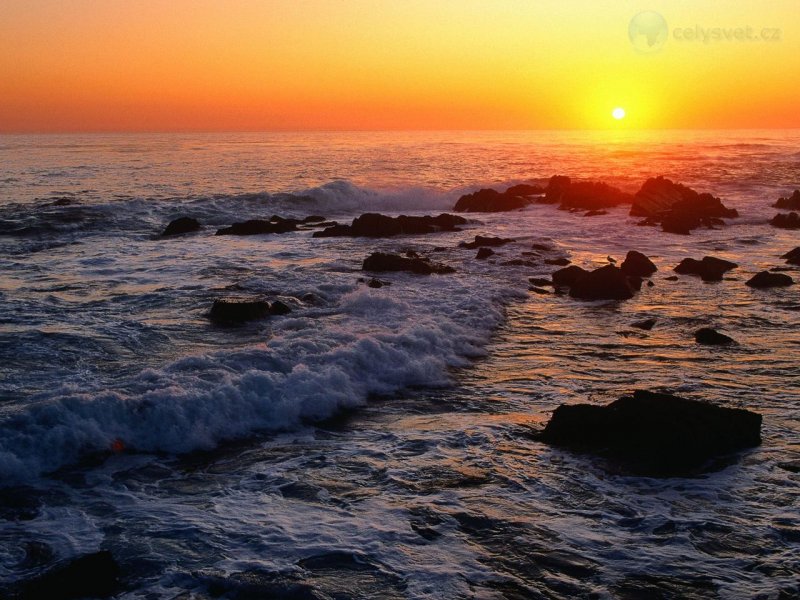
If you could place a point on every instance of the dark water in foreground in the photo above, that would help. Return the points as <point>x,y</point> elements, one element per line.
<point>420,478</point>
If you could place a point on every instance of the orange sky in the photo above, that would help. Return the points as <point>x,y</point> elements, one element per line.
<point>178,65</point>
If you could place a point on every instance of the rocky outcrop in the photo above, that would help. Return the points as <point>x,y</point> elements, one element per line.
<point>489,200</point>
<point>181,225</point>
<point>568,275</point>
<point>484,253</point>
<point>382,261</point>
<point>637,265</point>
<point>377,225</point>
<point>485,242</point>
<point>678,208</point>
<point>786,221</point>
<point>645,324</point>
<point>228,310</point>
<point>709,268</point>
<point>654,434</point>
<point>605,283</point>
<point>585,195</point>
<point>712,337</point>
<point>259,226</point>
<point>93,575</point>
<point>790,203</point>
<point>793,256</point>
<point>766,279</point>
<point>524,189</point>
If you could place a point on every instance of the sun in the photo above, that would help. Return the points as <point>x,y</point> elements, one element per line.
<point>618,113</point>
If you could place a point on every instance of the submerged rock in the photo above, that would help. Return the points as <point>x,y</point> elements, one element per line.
<point>484,253</point>
<point>709,268</point>
<point>790,203</point>
<point>93,575</point>
<point>646,324</point>
<point>260,226</point>
<point>637,264</point>
<point>557,262</point>
<point>765,279</point>
<point>786,220</point>
<point>382,261</point>
<point>489,200</point>
<point>485,242</point>
<point>377,225</point>
<point>654,434</point>
<point>793,256</point>
<point>226,311</point>
<point>279,308</point>
<point>181,225</point>
<point>712,337</point>
<point>605,283</point>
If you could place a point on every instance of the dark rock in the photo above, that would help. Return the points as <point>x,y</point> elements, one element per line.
<point>655,434</point>
<point>518,262</point>
<point>313,219</point>
<point>709,268</point>
<point>63,201</point>
<point>382,261</point>
<point>712,337</point>
<point>786,221</point>
<point>793,256</point>
<point>279,308</point>
<point>605,283</point>
<point>484,253</point>
<point>524,189</point>
<point>485,242</point>
<point>182,225</point>
<point>790,203</point>
<point>637,264</point>
<point>595,213</point>
<point>584,195</point>
<point>559,262</point>
<point>238,311</point>
<point>539,281</point>
<point>765,279</point>
<point>646,324</point>
<point>650,284</point>
<point>538,290</point>
<point>678,208</point>
<point>568,275</point>
<point>93,575</point>
<point>489,200</point>
<point>377,283</point>
<point>377,225</point>
<point>259,226</point>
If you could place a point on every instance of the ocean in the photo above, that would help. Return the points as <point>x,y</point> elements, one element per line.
<point>377,443</point>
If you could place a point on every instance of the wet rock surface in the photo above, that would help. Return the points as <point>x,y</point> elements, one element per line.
<point>378,225</point>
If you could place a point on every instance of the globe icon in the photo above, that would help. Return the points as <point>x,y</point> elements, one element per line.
<point>648,32</point>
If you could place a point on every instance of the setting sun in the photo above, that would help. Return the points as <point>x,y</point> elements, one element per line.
<point>618,113</point>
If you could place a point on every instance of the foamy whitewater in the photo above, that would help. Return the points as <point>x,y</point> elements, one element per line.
<point>376,443</point>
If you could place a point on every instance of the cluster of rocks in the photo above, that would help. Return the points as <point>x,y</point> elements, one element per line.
<point>489,200</point>
<point>606,283</point>
<point>229,311</point>
<point>377,225</point>
<point>793,256</point>
<point>584,195</point>
<point>709,268</point>
<point>412,263</point>
<point>274,224</point>
<point>790,203</point>
<point>678,208</point>
<point>786,220</point>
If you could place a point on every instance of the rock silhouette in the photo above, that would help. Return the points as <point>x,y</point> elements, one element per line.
<point>786,220</point>
<point>605,283</point>
<point>377,225</point>
<point>180,226</point>
<point>228,310</point>
<point>489,200</point>
<point>638,265</point>
<point>712,337</point>
<point>765,279</point>
<point>709,268</point>
<point>382,261</point>
<point>790,203</point>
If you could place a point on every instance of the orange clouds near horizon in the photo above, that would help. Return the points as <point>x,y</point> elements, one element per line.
<point>355,64</point>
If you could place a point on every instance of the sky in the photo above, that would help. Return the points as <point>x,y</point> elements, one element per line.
<point>255,65</point>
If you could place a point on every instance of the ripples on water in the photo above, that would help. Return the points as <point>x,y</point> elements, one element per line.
<point>434,488</point>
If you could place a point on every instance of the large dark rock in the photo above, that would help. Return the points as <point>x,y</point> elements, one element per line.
<point>181,225</point>
<point>260,226</point>
<point>793,256</point>
<point>524,189</point>
<point>484,253</point>
<point>377,225</point>
<point>585,195</point>
<point>93,575</point>
<point>654,434</point>
<point>485,242</point>
<point>227,311</point>
<point>790,203</point>
<point>709,268</point>
<point>786,220</point>
<point>712,337</point>
<point>678,208</point>
<point>568,275</point>
<point>605,283</point>
<point>765,279</point>
<point>382,261</point>
<point>489,200</point>
<point>637,264</point>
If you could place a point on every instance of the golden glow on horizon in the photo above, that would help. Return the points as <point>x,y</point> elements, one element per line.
<point>412,64</point>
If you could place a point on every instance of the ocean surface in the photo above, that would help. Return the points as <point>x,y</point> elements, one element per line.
<point>376,443</point>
